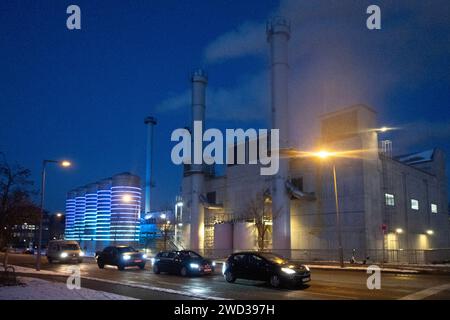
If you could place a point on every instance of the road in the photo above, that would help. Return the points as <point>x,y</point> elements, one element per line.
<point>325,284</point>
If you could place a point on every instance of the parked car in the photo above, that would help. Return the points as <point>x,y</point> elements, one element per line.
<point>266,267</point>
<point>28,251</point>
<point>184,263</point>
<point>64,251</point>
<point>121,257</point>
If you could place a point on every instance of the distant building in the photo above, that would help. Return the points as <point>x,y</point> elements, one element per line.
<point>105,212</point>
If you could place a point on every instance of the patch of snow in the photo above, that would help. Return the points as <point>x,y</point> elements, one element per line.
<point>38,289</point>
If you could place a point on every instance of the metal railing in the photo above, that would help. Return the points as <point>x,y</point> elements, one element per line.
<point>398,256</point>
<point>8,276</point>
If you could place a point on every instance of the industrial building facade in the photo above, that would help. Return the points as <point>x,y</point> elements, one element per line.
<point>387,204</point>
<point>105,212</point>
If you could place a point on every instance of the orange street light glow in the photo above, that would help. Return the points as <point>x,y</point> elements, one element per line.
<point>323,154</point>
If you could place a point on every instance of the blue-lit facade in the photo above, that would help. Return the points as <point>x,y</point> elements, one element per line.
<point>105,212</point>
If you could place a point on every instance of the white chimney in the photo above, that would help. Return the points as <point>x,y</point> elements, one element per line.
<point>199,82</point>
<point>278,34</point>
<point>150,122</point>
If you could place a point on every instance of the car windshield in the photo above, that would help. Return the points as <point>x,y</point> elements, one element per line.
<point>126,249</point>
<point>69,247</point>
<point>274,258</point>
<point>189,254</point>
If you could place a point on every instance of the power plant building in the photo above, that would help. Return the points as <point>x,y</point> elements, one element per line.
<point>389,206</point>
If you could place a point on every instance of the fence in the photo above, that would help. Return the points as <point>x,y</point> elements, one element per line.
<point>410,256</point>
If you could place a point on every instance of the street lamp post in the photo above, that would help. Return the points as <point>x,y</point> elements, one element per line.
<point>324,155</point>
<point>338,219</point>
<point>41,218</point>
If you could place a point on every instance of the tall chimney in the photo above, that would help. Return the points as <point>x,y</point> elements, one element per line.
<point>150,123</point>
<point>199,81</point>
<point>278,34</point>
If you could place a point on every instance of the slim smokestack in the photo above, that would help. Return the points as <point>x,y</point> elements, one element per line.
<point>278,34</point>
<point>150,123</point>
<point>199,81</point>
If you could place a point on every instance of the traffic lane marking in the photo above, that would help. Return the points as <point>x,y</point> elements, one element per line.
<point>420,295</point>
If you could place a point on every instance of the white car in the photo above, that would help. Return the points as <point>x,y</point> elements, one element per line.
<point>64,251</point>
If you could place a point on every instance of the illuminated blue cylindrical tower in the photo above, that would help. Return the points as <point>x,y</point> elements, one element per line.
<point>70,216</point>
<point>80,210</point>
<point>90,217</point>
<point>103,211</point>
<point>125,207</point>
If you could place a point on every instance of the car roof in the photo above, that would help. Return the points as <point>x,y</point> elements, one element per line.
<point>64,241</point>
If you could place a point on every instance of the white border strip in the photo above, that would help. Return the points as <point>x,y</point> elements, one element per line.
<point>21,269</point>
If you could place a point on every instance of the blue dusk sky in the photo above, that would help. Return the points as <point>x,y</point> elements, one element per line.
<point>83,94</point>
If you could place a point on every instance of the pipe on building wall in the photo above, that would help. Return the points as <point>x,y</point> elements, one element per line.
<point>278,34</point>
<point>199,82</point>
<point>298,194</point>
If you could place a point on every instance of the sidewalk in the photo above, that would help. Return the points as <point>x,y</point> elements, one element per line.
<point>38,289</point>
<point>390,268</point>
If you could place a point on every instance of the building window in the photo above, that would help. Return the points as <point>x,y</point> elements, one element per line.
<point>434,208</point>
<point>414,204</point>
<point>390,200</point>
<point>211,197</point>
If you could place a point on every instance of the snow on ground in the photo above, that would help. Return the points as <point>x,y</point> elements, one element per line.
<point>38,289</point>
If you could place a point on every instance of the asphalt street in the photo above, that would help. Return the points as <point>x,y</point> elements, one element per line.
<point>325,284</point>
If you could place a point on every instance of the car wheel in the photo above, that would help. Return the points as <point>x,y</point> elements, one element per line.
<point>142,266</point>
<point>50,260</point>
<point>156,269</point>
<point>275,281</point>
<point>120,267</point>
<point>229,277</point>
<point>184,272</point>
<point>80,261</point>
<point>101,265</point>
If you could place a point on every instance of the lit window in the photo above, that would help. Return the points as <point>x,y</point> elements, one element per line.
<point>390,200</point>
<point>414,204</point>
<point>434,208</point>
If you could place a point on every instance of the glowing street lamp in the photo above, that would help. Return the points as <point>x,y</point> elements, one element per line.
<point>59,215</point>
<point>430,232</point>
<point>323,154</point>
<point>64,164</point>
<point>399,230</point>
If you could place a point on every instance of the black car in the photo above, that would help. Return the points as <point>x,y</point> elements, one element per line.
<point>120,256</point>
<point>266,267</point>
<point>184,262</point>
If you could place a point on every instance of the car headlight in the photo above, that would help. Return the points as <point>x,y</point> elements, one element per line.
<point>288,270</point>
<point>126,257</point>
<point>144,256</point>
<point>64,255</point>
<point>213,263</point>
<point>307,268</point>
<point>81,254</point>
<point>194,265</point>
